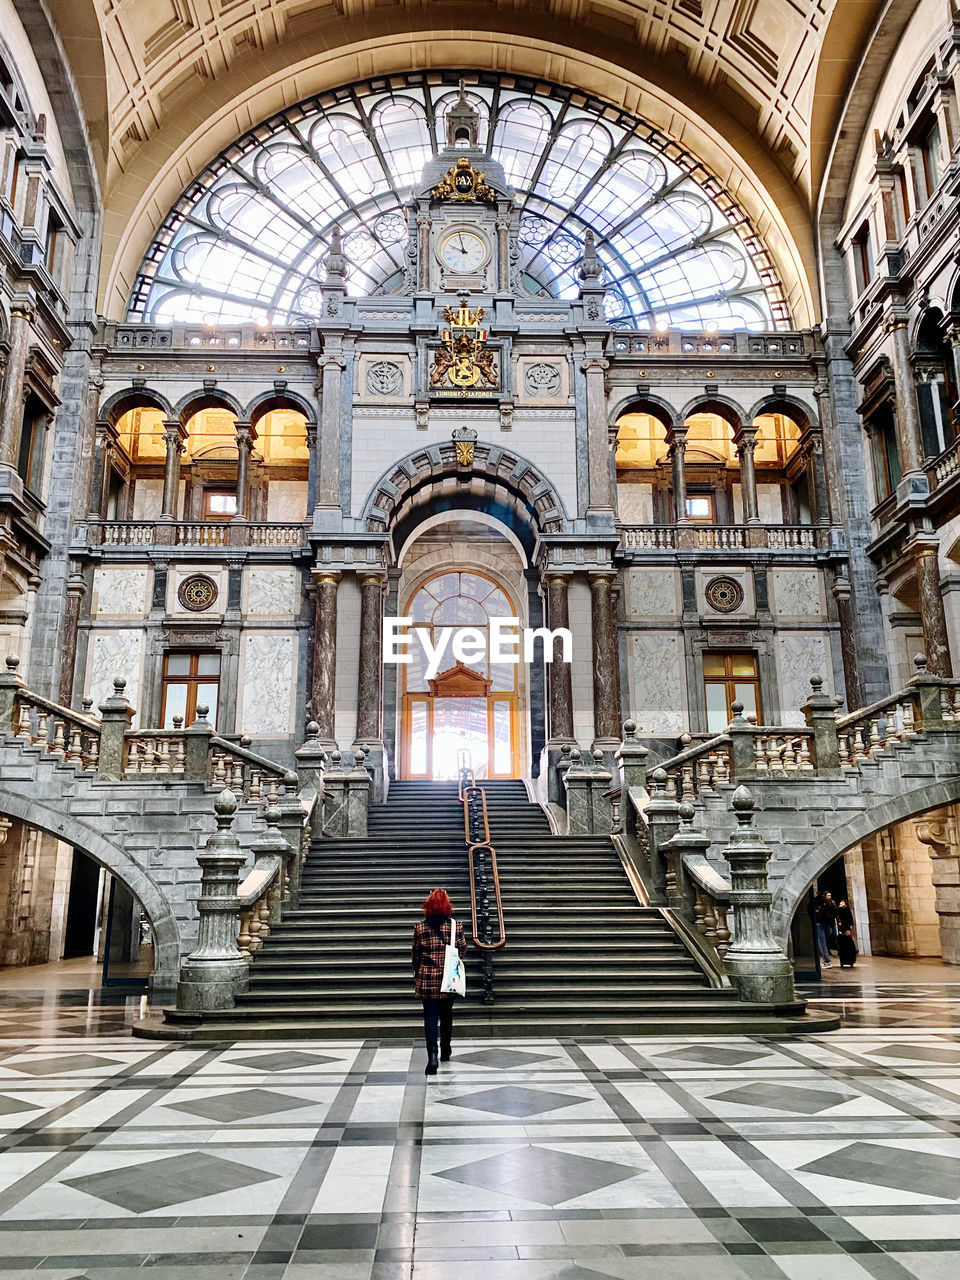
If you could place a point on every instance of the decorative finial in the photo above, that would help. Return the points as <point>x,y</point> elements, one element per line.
<point>816,683</point>
<point>463,122</point>
<point>12,662</point>
<point>335,261</point>
<point>685,812</point>
<point>202,711</point>
<point>590,265</point>
<point>920,662</point>
<point>225,806</point>
<point>291,783</point>
<point>743,803</point>
<point>119,684</point>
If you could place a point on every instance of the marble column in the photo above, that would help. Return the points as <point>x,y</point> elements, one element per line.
<point>745,439</point>
<point>676,446</point>
<point>848,641</point>
<point>174,436</point>
<point>324,674</point>
<point>246,435</point>
<point>932,616</point>
<point>600,499</point>
<point>311,429</point>
<point>560,677</point>
<point>369,719</point>
<point>503,255</point>
<point>953,336</point>
<point>328,458</point>
<point>76,590</point>
<point>606,659</point>
<point>105,439</point>
<point>818,481</point>
<point>907,411</point>
<point>11,404</point>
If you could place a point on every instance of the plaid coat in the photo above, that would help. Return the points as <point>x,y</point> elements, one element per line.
<point>428,948</point>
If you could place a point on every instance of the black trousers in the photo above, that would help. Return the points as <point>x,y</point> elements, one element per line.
<point>438,1015</point>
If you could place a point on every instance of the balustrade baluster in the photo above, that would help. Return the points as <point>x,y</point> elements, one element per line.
<point>75,747</point>
<point>58,746</point>
<point>92,756</point>
<point>890,734</point>
<point>723,929</point>
<point>908,719</point>
<point>843,748</point>
<point>704,781</point>
<point>789,756</point>
<point>875,740</point>
<point>760,753</point>
<point>805,763</point>
<point>722,771</point>
<point>42,733</point>
<point>858,751</point>
<point>163,755</point>
<point>686,774</point>
<point>24,727</point>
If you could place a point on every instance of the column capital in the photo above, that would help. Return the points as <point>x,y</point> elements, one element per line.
<point>174,432</point>
<point>326,577</point>
<point>676,435</point>
<point>371,577</point>
<point>745,436</point>
<point>594,364</point>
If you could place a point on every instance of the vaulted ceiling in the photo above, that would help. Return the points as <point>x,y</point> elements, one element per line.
<point>753,87</point>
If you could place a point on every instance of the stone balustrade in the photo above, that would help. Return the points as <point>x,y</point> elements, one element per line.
<point>187,533</point>
<point>770,537</point>
<point>71,736</point>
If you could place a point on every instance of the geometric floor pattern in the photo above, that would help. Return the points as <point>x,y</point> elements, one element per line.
<point>831,1157</point>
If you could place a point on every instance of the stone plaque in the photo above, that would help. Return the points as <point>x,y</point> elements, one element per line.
<point>384,378</point>
<point>542,381</point>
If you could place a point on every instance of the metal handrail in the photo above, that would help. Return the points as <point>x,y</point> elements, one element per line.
<point>481,862</point>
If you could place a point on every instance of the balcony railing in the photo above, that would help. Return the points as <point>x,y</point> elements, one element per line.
<point>724,537</point>
<point>182,533</point>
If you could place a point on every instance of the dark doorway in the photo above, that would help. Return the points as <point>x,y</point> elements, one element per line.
<point>81,907</point>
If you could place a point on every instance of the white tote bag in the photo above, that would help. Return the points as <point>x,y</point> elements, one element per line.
<point>454,980</point>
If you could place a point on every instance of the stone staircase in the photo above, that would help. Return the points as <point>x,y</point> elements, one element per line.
<point>582,956</point>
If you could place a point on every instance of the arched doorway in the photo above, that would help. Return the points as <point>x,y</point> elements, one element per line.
<point>471,707</point>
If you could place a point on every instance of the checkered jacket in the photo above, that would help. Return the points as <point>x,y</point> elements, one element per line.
<point>428,948</point>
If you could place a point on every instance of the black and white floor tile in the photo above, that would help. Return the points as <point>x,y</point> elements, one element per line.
<point>835,1157</point>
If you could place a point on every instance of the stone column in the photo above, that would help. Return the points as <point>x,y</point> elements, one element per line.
<point>424,223</point>
<point>503,255</point>
<point>368,682</point>
<point>953,336</point>
<point>328,458</point>
<point>939,833</point>
<point>676,447</point>
<point>311,429</point>
<point>76,590</point>
<point>606,660</point>
<point>818,481</point>
<point>324,677</point>
<point>246,435</point>
<point>907,411</point>
<point>215,971</point>
<point>932,616</point>
<point>600,499</point>
<point>105,439</point>
<point>560,677</point>
<point>745,438</point>
<point>755,962</point>
<point>174,436</point>
<point>11,404</point>
<point>848,640</point>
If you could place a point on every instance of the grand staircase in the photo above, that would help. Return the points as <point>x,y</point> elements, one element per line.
<point>582,957</point>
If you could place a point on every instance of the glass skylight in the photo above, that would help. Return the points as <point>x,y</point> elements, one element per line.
<point>246,241</point>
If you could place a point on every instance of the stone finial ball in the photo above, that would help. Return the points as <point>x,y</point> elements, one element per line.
<point>629,728</point>
<point>202,711</point>
<point>119,684</point>
<point>660,776</point>
<point>817,683</point>
<point>225,805</point>
<point>291,781</point>
<point>685,811</point>
<point>575,753</point>
<point>245,739</point>
<point>736,708</point>
<point>335,758</point>
<point>742,801</point>
<point>313,729</point>
<point>12,662</point>
<point>597,754</point>
<point>272,815</point>
<point>920,662</point>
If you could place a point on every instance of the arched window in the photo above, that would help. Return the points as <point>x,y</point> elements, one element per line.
<point>246,241</point>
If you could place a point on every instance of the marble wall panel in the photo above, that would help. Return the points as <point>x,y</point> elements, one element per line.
<point>740,575</point>
<point>267,684</point>
<point>272,592</point>
<point>581,668</point>
<point>769,504</point>
<point>121,593</point>
<point>657,698</point>
<point>797,593</point>
<point>800,655</point>
<point>147,499</point>
<point>652,593</point>
<point>635,503</point>
<point>287,500</point>
<point>111,654</point>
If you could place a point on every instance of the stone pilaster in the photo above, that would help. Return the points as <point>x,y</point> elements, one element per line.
<point>324,673</point>
<point>328,457</point>
<point>606,664</point>
<point>600,499</point>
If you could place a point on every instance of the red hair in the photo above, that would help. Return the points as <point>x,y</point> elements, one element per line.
<point>438,904</point>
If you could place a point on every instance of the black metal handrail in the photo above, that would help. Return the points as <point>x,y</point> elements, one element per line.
<point>486,909</point>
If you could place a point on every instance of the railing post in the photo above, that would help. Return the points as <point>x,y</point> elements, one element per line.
<point>820,713</point>
<point>755,962</point>
<point>311,759</point>
<point>601,810</point>
<point>215,971</point>
<point>357,784</point>
<point>334,793</point>
<point>742,741</point>
<point>679,893</point>
<point>663,822</point>
<point>10,685</point>
<point>292,829</point>
<point>928,694</point>
<point>115,717</point>
<point>268,845</point>
<point>197,747</point>
<point>576,780</point>
<point>632,758</point>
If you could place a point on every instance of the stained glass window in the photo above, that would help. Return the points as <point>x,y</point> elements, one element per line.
<point>246,241</point>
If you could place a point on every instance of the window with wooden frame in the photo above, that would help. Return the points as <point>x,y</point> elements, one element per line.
<point>219,503</point>
<point>863,265</point>
<point>702,507</point>
<point>886,455</point>
<point>730,678</point>
<point>928,147</point>
<point>191,678</point>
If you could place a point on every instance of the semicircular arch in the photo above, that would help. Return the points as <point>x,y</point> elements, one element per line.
<point>121,402</point>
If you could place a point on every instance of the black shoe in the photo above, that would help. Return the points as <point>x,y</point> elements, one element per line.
<point>444,1052</point>
<point>431,1068</point>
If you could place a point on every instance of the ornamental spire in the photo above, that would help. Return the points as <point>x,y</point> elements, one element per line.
<point>463,123</point>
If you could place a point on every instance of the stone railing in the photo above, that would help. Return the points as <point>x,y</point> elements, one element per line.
<point>147,337</point>
<point>723,537</point>
<point>72,736</point>
<point>944,467</point>
<point>642,342</point>
<point>190,533</point>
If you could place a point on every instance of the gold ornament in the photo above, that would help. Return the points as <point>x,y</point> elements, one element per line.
<point>462,183</point>
<point>464,361</point>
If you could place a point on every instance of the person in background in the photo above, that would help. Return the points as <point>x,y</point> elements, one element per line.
<point>846,948</point>
<point>828,915</point>
<point>431,936</point>
<point>844,915</point>
<point>820,931</point>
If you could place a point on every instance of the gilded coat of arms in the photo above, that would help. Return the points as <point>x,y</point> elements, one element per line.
<point>463,182</point>
<point>464,363</point>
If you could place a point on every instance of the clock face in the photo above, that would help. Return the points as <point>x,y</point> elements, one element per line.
<point>463,251</point>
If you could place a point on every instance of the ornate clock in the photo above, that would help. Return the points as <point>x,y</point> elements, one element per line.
<point>463,252</point>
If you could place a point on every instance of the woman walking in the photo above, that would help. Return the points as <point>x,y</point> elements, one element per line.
<point>430,936</point>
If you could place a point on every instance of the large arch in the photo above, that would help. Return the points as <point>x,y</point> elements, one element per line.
<point>396,40</point>
<point>874,817</point>
<point>56,821</point>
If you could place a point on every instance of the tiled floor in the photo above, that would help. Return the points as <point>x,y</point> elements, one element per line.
<point>828,1158</point>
